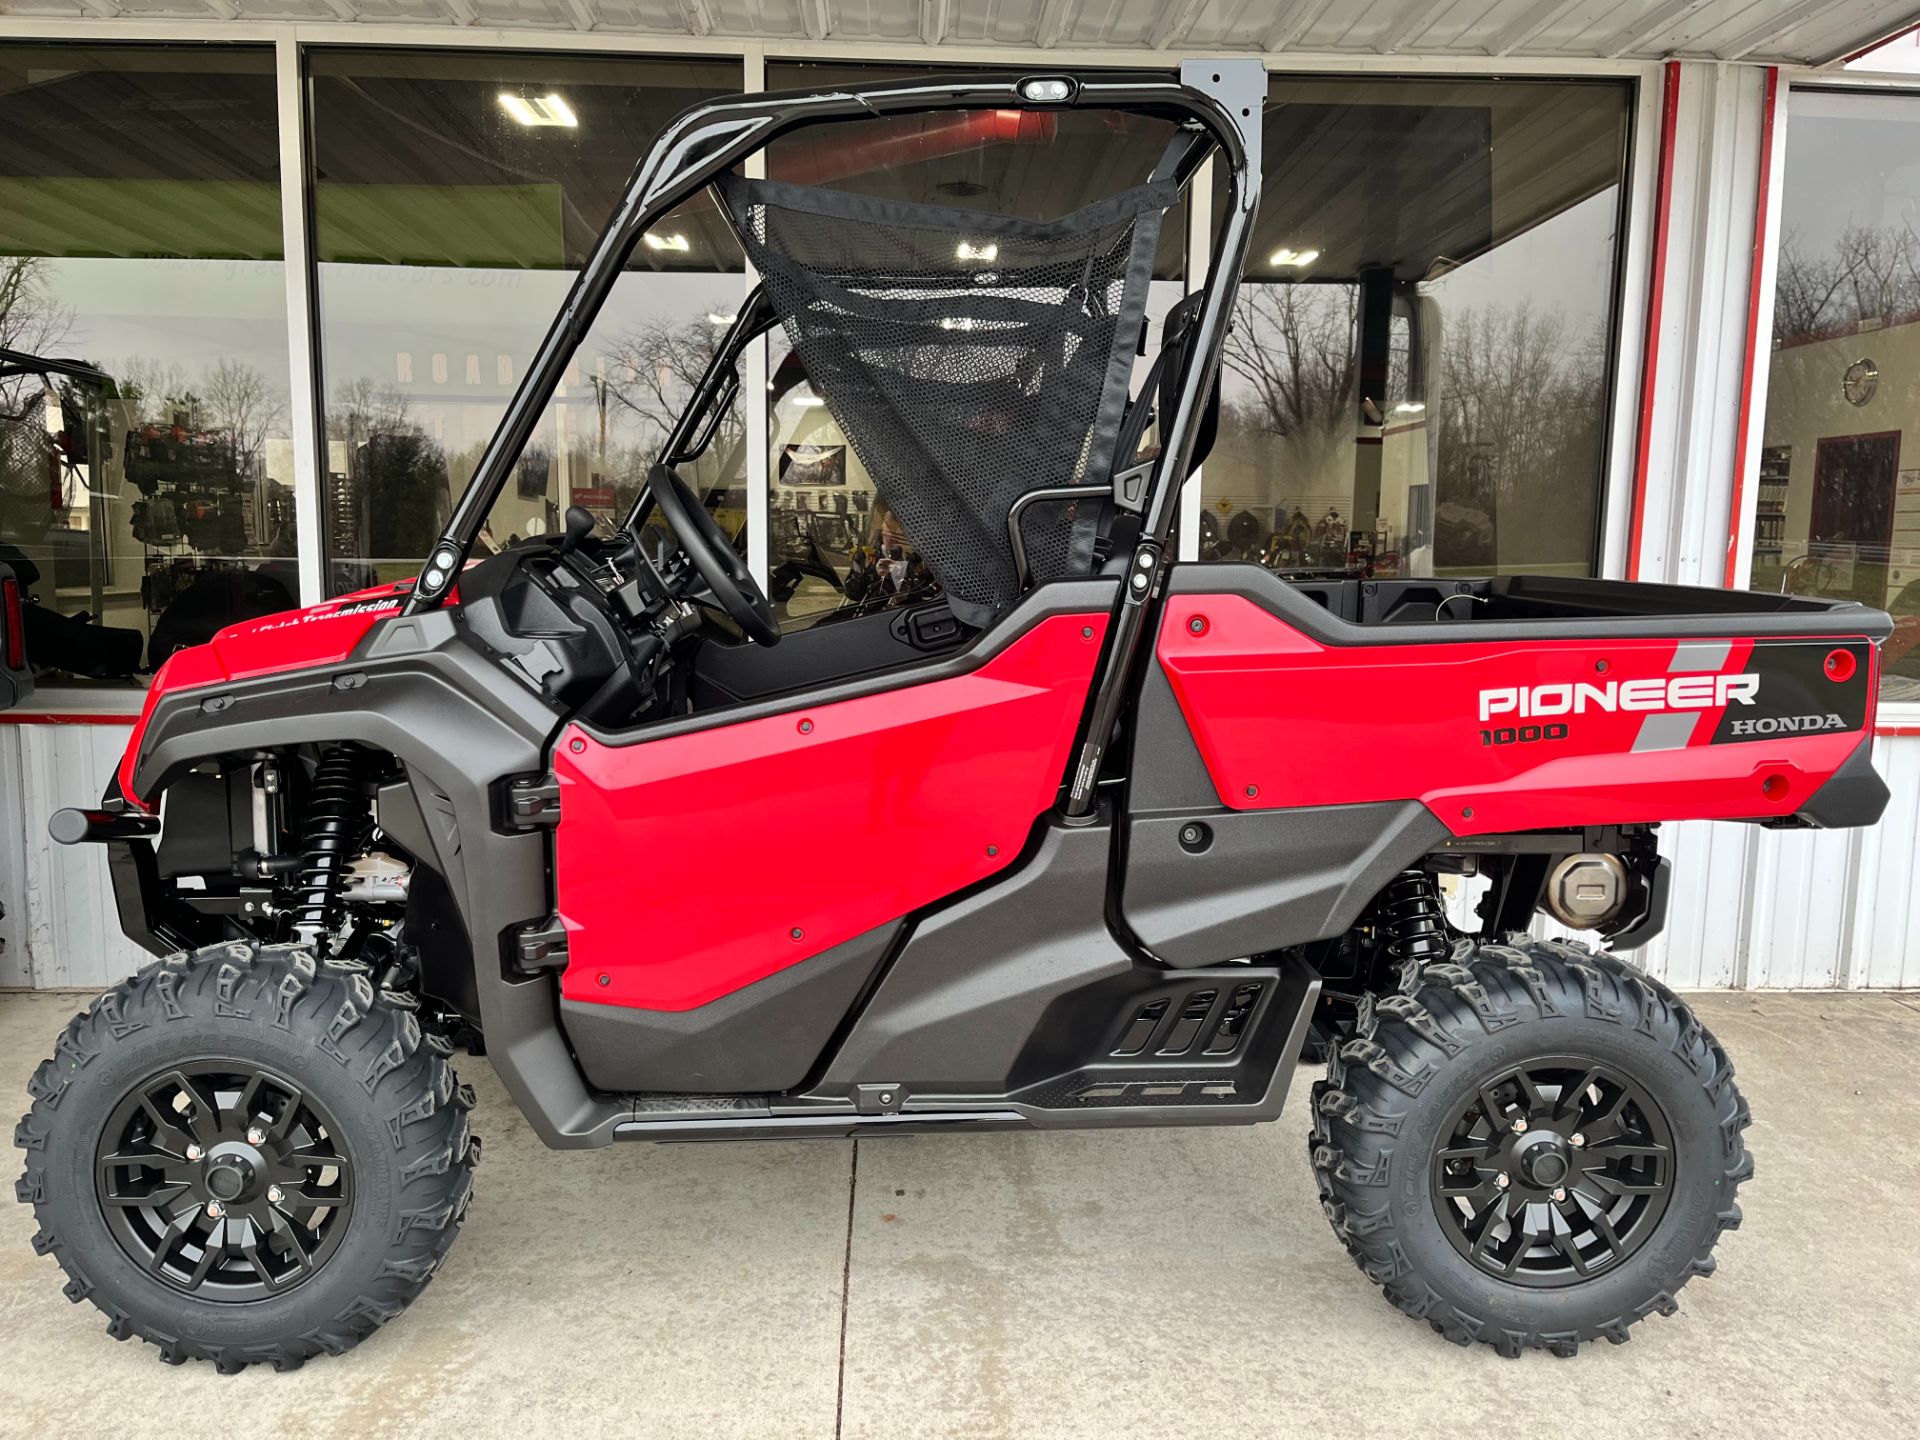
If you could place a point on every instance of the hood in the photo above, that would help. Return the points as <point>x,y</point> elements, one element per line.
<point>323,634</point>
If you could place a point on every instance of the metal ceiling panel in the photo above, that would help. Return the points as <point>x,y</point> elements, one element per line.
<point>1799,32</point>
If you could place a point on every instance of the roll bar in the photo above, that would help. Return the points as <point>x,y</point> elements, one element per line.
<point>1222,98</point>
<point>19,362</point>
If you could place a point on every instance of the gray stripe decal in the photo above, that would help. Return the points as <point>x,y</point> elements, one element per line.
<point>1669,731</point>
<point>1699,655</point>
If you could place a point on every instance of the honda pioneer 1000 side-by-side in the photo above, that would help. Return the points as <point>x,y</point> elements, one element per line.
<point>1117,840</point>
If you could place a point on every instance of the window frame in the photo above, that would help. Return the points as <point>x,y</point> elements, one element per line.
<point>1895,717</point>
<point>1628,277</point>
<point>294,41</point>
<point>111,702</point>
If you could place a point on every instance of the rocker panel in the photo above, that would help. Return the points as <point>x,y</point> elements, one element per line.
<point>762,1039</point>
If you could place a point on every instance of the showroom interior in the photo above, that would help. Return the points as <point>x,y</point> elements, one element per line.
<point>1633,300</point>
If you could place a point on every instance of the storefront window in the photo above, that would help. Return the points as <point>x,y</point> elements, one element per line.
<point>146,482</point>
<point>837,549</point>
<point>454,197</point>
<point>1417,378</point>
<point>1837,508</point>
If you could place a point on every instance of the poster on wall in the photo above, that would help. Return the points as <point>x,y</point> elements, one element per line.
<point>813,464</point>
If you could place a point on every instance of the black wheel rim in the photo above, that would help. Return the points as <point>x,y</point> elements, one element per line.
<point>1553,1172</point>
<point>224,1180</point>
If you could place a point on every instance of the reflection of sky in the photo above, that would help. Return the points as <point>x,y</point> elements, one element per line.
<point>1857,164</point>
<point>190,313</point>
<point>1565,264</point>
<point>372,314</point>
<point>196,312</point>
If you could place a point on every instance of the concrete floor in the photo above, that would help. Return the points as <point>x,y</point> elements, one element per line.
<point>1141,1284</point>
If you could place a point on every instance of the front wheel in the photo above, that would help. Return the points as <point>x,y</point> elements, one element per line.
<point>243,1155</point>
<point>1532,1145</point>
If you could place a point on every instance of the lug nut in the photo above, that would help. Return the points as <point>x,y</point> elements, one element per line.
<point>1520,1126</point>
<point>1559,1195</point>
<point>1577,1140</point>
<point>194,1152</point>
<point>1501,1180</point>
<point>215,1210</point>
<point>256,1136</point>
<point>273,1194</point>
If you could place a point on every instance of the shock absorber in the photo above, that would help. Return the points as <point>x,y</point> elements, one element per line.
<point>336,827</point>
<point>1413,922</point>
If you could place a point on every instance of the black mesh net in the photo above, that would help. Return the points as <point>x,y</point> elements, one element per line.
<point>968,358</point>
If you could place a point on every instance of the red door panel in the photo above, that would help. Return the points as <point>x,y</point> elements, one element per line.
<point>1281,720</point>
<point>694,865</point>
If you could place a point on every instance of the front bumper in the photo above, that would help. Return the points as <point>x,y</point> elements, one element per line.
<point>127,834</point>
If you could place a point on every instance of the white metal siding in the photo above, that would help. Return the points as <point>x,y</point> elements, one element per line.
<point>1886,929</point>
<point>61,928</point>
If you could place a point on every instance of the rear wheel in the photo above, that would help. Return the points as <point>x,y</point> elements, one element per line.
<point>241,1155</point>
<point>1532,1145</point>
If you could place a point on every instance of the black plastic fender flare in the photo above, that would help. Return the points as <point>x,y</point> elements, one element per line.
<point>418,688</point>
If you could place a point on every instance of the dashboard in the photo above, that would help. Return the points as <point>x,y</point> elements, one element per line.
<point>592,624</point>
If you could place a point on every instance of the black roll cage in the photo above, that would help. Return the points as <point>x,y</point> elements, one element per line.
<point>1220,99</point>
<point>14,363</point>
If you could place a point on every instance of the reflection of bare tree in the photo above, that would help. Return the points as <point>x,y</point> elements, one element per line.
<point>1515,408</point>
<point>238,401</point>
<point>156,391</point>
<point>392,497</point>
<point>650,374</point>
<point>233,405</point>
<point>651,370</point>
<point>1511,380</point>
<point>29,322</point>
<point>1294,346</point>
<point>30,319</point>
<point>1868,274</point>
<point>1520,414</point>
<point>362,408</point>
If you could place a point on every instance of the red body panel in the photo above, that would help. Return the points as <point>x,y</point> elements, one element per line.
<point>1282,720</point>
<point>324,634</point>
<point>691,866</point>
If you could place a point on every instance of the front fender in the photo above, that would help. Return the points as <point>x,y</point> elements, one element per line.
<point>419,688</point>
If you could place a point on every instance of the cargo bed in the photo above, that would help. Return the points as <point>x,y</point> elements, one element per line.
<point>1465,605</point>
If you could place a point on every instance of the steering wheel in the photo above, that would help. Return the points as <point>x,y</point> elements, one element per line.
<point>704,543</point>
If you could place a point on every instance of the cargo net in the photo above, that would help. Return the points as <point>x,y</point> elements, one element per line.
<point>968,358</point>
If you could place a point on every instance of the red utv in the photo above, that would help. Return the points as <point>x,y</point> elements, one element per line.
<point>1146,831</point>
